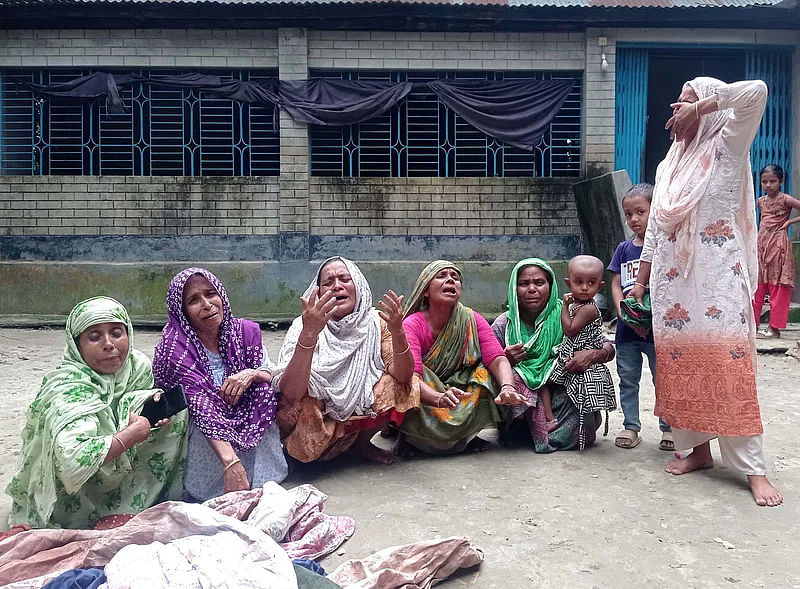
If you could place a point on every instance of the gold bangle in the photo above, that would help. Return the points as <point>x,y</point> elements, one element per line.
<point>299,343</point>
<point>644,286</point>
<point>696,112</point>
<point>115,437</point>
<point>231,463</point>
<point>408,347</point>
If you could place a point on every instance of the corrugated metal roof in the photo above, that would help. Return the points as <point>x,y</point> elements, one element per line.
<point>511,3</point>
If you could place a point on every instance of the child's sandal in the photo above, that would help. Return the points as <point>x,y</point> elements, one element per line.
<point>627,439</point>
<point>667,443</point>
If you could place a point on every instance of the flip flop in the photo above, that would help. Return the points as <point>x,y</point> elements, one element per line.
<point>627,439</point>
<point>667,443</point>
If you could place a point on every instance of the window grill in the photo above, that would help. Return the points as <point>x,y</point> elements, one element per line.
<point>422,137</point>
<point>176,132</point>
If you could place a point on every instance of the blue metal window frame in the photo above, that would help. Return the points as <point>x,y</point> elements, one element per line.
<point>180,132</point>
<point>422,137</point>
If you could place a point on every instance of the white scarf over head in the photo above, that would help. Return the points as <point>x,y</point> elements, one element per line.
<point>683,176</point>
<point>347,360</point>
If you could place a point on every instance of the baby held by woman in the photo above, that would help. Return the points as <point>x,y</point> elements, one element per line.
<point>582,323</point>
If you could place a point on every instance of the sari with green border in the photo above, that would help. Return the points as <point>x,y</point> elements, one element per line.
<point>454,360</point>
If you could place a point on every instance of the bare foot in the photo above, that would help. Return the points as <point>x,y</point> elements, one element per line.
<point>694,461</point>
<point>477,445</point>
<point>552,424</point>
<point>763,491</point>
<point>374,454</point>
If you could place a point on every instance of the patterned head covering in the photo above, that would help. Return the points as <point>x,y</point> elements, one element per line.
<point>72,392</point>
<point>683,176</point>
<point>180,357</point>
<point>417,301</point>
<point>347,361</point>
<point>545,335</point>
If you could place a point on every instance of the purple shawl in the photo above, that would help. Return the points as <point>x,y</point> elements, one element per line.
<point>181,358</point>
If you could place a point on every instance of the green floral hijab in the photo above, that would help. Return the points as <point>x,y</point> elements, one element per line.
<point>545,334</point>
<point>72,392</point>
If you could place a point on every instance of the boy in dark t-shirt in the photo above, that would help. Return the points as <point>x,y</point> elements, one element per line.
<point>633,342</point>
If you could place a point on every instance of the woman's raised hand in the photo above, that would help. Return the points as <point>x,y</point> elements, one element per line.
<point>684,114</point>
<point>515,353</point>
<point>392,311</point>
<point>317,311</point>
<point>235,385</point>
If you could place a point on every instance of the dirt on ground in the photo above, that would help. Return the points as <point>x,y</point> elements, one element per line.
<point>602,518</point>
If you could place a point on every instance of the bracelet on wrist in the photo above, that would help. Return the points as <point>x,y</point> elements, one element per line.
<point>231,463</point>
<point>121,443</point>
<point>299,343</point>
<point>644,286</point>
<point>408,347</point>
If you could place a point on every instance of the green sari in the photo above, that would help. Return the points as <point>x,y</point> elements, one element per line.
<point>454,360</point>
<point>61,480</point>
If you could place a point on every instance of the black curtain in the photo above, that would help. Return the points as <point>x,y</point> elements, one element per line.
<point>516,112</point>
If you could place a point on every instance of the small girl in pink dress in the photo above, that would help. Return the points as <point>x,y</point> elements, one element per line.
<point>775,260</point>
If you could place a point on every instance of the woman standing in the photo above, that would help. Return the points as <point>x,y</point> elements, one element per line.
<point>700,260</point>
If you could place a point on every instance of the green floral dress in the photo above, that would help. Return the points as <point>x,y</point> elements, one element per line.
<point>61,480</point>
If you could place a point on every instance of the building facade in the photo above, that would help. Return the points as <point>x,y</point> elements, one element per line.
<point>92,202</point>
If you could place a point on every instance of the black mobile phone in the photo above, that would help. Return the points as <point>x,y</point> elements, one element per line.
<point>172,401</point>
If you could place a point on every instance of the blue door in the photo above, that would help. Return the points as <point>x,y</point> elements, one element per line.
<point>773,142</point>
<point>631,110</point>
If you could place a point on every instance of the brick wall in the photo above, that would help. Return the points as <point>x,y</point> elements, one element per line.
<point>167,48</point>
<point>125,205</point>
<point>293,59</point>
<point>444,50</point>
<point>442,206</point>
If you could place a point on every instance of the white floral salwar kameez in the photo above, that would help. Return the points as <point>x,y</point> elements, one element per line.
<point>702,279</point>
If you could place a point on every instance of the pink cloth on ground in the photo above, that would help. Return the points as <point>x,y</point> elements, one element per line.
<point>421,340</point>
<point>418,565</point>
<point>307,533</point>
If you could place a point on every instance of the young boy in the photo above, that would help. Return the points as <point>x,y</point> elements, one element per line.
<point>632,342</point>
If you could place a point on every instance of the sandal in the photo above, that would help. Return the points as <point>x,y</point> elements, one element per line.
<point>627,439</point>
<point>667,443</point>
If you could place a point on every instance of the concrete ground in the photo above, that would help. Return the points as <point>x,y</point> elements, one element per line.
<point>603,518</point>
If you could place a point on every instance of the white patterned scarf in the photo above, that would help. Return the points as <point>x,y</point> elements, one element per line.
<point>683,176</point>
<point>347,360</point>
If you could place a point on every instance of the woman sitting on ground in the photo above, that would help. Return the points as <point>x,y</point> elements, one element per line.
<point>344,369</point>
<point>223,366</point>
<point>529,331</point>
<point>88,458</point>
<point>453,346</point>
